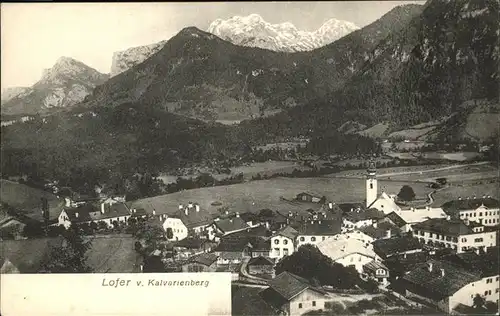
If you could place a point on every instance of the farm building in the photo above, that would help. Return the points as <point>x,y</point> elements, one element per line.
<point>204,262</point>
<point>309,196</point>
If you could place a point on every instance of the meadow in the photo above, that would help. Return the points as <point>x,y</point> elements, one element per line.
<point>253,196</point>
<point>27,200</point>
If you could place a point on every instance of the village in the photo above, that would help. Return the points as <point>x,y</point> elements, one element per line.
<point>323,256</point>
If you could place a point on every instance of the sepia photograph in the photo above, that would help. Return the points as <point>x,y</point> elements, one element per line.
<point>250,158</point>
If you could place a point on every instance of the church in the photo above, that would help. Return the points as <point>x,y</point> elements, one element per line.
<point>382,202</point>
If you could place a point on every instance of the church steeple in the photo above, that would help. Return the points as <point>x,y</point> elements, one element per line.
<point>371,183</point>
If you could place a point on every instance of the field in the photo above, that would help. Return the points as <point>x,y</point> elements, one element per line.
<point>263,168</point>
<point>113,254</point>
<point>375,131</point>
<point>27,200</point>
<point>256,195</point>
<point>458,156</point>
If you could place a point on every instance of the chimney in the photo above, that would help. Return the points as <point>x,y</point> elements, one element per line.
<point>237,214</point>
<point>442,272</point>
<point>448,217</point>
<point>197,207</point>
<point>459,198</point>
<point>330,205</point>
<point>181,206</point>
<point>375,225</point>
<point>190,205</point>
<point>186,210</point>
<point>76,214</point>
<point>133,210</point>
<point>103,207</point>
<point>154,212</point>
<point>474,197</point>
<point>412,209</point>
<point>226,212</point>
<point>404,256</point>
<point>216,219</point>
<point>429,266</point>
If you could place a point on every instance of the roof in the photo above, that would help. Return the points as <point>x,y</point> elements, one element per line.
<point>432,283</point>
<point>249,301</point>
<point>260,261</point>
<point>356,216</point>
<point>260,230</point>
<point>289,285</point>
<point>203,258</point>
<point>419,215</point>
<point>311,193</point>
<point>453,227</point>
<point>239,243</point>
<point>81,213</point>
<point>114,210</point>
<point>486,264</point>
<point>452,207</point>
<point>394,245</point>
<point>27,255</point>
<point>384,196</point>
<point>319,228</point>
<point>138,212</point>
<point>193,218</point>
<point>374,266</point>
<point>190,243</point>
<point>249,217</point>
<point>396,219</point>
<point>288,232</point>
<point>228,225</point>
<point>341,246</point>
<point>347,207</point>
<point>379,230</point>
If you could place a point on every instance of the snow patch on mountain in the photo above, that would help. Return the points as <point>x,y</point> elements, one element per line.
<point>254,31</point>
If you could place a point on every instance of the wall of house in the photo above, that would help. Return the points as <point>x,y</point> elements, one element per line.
<point>309,300</point>
<point>460,244</point>
<point>386,206</point>
<point>355,259</point>
<point>359,224</point>
<point>281,246</point>
<point>487,217</point>
<point>358,235</point>
<point>261,269</point>
<point>179,230</point>
<point>311,239</point>
<point>198,267</point>
<point>64,220</point>
<point>486,287</point>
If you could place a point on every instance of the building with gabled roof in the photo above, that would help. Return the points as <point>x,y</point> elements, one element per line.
<point>188,218</point>
<point>225,226</point>
<point>377,271</point>
<point>88,213</point>
<point>348,251</point>
<point>455,234</point>
<point>485,210</point>
<point>203,262</point>
<point>393,246</point>
<point>445,285</point>
<point>385,204</point>
<point>405,219</point>
<point>381,229</point>
<point>293,295</point>
<point>361,218</point>
<point>283,242</point>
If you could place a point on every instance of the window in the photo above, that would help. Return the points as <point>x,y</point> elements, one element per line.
<point>480,213</point>
<point>455,239</point>
<point>277,251</point>
<point>464,248</point>
<point>487,292</point>
<point>371,185</point>
<point>359,259</point>
<point>478,240</point>
<point>276,241</point>
<point>314,303</point>
<point>496,291</point>
<point>285,242</point>
<point>464,239</point>
<point>300,305</point>
<point>496,279</point>
<point>489,281</point>
<point>313,238</point>
<point>323,238</point>
<point>302,239</point>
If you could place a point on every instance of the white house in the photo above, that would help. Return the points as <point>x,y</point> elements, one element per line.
<point>357,219</point>
<point>454,234</point>
<point>189,218</point>
<point>283,242</point>
<point>405,219</point>
<point>314,232</point>
<point>385,204</point>
<point>348,252</point>
<point>225,226</point>
<point>445,285</point>
<point>359,235</point>
<point>485,210</point>
<point>107,213</point>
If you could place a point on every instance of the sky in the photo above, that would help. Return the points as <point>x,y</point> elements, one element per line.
<point>35,35</point>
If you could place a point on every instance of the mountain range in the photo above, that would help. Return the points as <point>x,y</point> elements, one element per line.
<point>67,83</point>
<point>416,64</point>
<point>253,31</point>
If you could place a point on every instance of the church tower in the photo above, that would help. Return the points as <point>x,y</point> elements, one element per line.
<point>371,184</point>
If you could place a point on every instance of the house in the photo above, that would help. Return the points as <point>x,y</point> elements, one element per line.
<point>381,229</point>
<point>77,215</point>
<point>290,294</point>
<point>261,246</point>
<point>385,204</point>
<point>251,219</point>
<point>359,235</point>
<point>111,213</point>
<point>485,210</point>
<point>361,218</point>
<point>348,252</point>
<point>273,220</point>
<point>454,234</point>
<point>377,271</point>
<point>394,246</point>
<point>204,262</point>
<point>263,266</point>
<point>85,214</point>
<point>283,242</point>
<point>188,218</point>
<point>190,246</point>
<point>309,196</point>
<point>405,219</point>
<point>445,285</point>
<point>138,213</point>
<point>233,250</point>
<point>315,231</point>
<point>225,226</point>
